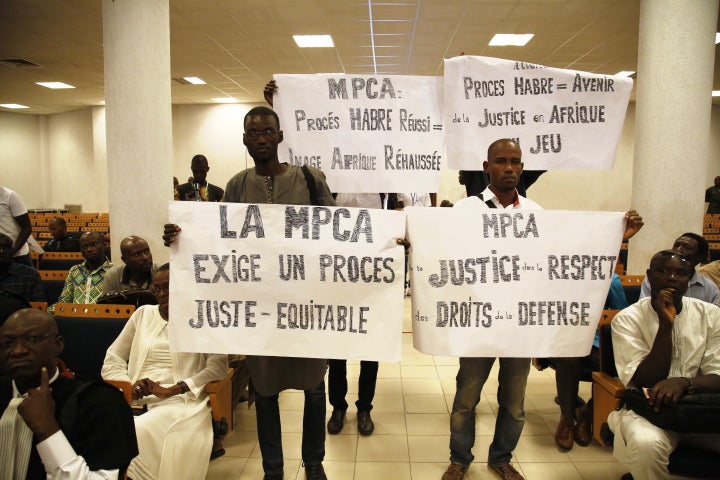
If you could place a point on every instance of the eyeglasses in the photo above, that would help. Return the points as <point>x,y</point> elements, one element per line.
<point>8,343</point>
<point>671,254</point>
<point>160,288</point>
<point>255,134</point>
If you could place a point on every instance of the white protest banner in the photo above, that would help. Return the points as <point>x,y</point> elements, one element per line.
<point>509,283</point>
<point>367,133</point>
<point>287,280</point>
<point>562,119</point>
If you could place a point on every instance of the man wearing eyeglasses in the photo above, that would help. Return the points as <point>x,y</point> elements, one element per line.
<point>53,426</point>
<point>273,182</point>
<point>669,344</point>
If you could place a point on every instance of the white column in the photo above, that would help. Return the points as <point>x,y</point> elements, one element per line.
<point>136,36</point>
<point>676,54</point>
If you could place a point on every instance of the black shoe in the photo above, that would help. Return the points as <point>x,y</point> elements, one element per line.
<point>315,472</point>
<point>273,476</point>
<point>365,423</point>
<point>217,453</point>
<point>336,422</point>
<point>627,476</point>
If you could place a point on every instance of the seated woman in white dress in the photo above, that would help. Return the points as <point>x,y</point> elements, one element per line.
<point>175,436</point>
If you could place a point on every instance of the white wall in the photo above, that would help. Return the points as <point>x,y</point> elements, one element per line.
<point>77,178</point>
<point>60,159</point>
<point>21,164</point>
<point>214,131</point>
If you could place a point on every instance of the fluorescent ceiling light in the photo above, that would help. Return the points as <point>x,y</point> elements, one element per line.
<point>310,41</point>
<point>224,100</point>
<point>716,93</point>
<point>54,85</point>
<point>510,39</point>
<point>625,73</point>
<point>195,80</point>
<point>12,105</point>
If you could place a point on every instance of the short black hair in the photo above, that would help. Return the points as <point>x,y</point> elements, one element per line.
<point>666,255</point>
<point>94,234</point>
<point>60,221</point>
<point>703,245</point>
<point>261,111</point>
<point>163,267</point>
<point>501,140</point>
<point>199,158</point>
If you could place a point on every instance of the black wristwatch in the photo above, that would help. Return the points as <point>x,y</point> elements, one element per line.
<point>183,387</point>
<point>691,390</point>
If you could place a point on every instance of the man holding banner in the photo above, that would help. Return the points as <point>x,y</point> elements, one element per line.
<point>504,166</point>
<point>273,182</point>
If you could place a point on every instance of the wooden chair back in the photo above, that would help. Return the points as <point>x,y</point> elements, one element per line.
<point>607,359</point>
<point>632,279</point>
<point>42,306</point>
<point>59,260</point>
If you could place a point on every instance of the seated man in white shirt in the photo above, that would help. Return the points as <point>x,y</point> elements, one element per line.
<point>52,426</point>
<point>668,343</point>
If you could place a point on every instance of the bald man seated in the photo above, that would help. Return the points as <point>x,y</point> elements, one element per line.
<point>137,271</point>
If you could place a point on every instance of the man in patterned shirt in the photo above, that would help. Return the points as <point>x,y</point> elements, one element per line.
<point>84,283</point>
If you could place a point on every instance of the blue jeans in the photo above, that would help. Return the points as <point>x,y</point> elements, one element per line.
<point>338,386</point>
<point>270,433</point>
<point>511,413</point>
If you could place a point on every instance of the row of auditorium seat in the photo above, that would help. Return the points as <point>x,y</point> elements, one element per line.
<point>76,222</point>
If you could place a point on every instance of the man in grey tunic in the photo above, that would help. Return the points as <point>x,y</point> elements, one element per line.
<point>137,271</point>
<point>273,182</point>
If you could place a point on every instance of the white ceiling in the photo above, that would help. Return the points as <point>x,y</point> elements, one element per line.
<point>236,45</point>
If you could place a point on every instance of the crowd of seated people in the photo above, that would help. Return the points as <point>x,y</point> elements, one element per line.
<point>172,384</point>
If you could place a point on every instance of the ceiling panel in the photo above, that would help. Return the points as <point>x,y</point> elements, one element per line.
<point>236,45</point>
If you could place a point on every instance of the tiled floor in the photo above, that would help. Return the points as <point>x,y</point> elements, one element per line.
<point>412,430</point>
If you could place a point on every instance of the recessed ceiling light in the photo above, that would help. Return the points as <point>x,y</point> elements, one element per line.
<point>510,39</point>
<point>224,100</point>
<point>716,93</point>
<point>12,105</point>
<point>311,41</point>
<point>54,85</point>
<point>195,80</point>
<point>625,73</point>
